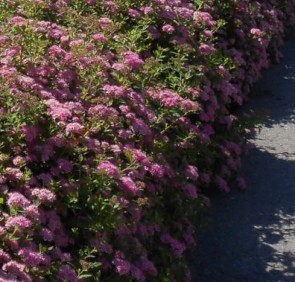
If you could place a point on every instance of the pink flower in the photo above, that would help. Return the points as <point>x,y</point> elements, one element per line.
<point>14,173</point>
<point>18,161</point>
<point>56,50</point>
<point>2,178</point>
<point>147,266</point>
<point>105,21</point>
<point>74,127</point>
<point>132,60</point>
<point>123,230</point>
<point>115,91</point>
<point>93,144</point>
<point>122,266</point>
<point>57,253</point>
<point>4,256</point>
<point>31,132</point>
<point>189,105</point>
<point>168,28</point>
<point>57,140</point>
<point>157,170</point>
<point>47,152</point>
<point>146,10</point>
<point>44,195</point>
<point>140,126</point>
<point>134,13</point>
<point>16,199</point>
<point>222,184</point>
<point>234,147</point>
<point>206,49</point>
<point>4,39</point>
<point>26,81</point>
<point>191,190</point>
<point>177,246</point>
<point>77,42</point>
<point>14,272</point>
<point>104,247</point>
<point>206,178</point>
<point>204,17</point>
<point>65,165</point>
<point>18,21</point>
<point>192,172</point>
<point>33,212</point>
<point>57,34</point>
<point>18,221</point>
<point>13,267</point>
<point>12,52</point>
<point>102,111</point>
<point>99,37</point>
<point>120,67</point>
<point>2,230</point>
<point>185,13</point>
<point>66,273</point>
<point>54,221</point>
<point>109,168</point>
<point>167,97</point>
<point>257,32</point>
<point>32,258</point>
<point>47,234</point>
<point>129,185</point>
<point>208,33</point>
<point>108,4</point>
<point>60,113</point>
<point>137,274</point>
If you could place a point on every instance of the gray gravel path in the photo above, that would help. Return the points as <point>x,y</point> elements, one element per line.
<point>252,233</point>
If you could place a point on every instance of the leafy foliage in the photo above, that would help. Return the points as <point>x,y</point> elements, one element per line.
<point>115,118</point>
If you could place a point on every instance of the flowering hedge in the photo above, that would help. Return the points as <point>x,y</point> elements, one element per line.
<point>114,117</point>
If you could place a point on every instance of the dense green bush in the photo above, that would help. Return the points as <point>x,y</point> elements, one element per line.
<point>115,118</point>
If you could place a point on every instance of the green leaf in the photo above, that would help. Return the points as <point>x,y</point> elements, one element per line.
<point>85,276</point>
<point>117,206</point>
<point>129,156</point>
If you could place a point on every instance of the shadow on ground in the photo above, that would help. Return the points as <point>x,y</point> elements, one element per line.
<point>252,233</point>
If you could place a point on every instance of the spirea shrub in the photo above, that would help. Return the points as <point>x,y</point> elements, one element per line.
<point>115,117</point>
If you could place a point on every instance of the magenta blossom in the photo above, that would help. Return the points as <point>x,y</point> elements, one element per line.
<point>129,185</point>
<point>65,165</point>
<point>99,37</point>
<point>32,258</point>
<point>132,60</point>
<point>18,221</point>
<point>66,273</point>
<point>191,191</point>
<point>74,127</point>
<point>18,21</point>
<point>206,49</point>
<point>16,199</point>
<point>168,28</point>
<point>257,32</point>
<point>44,195</point>
<point>109,169</point>
<point>122,266</point>
<point>31,132</point>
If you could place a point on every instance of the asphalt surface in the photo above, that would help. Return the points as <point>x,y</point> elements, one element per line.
<point>251,236</point>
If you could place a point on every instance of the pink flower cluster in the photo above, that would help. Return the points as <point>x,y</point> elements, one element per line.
<point>115,117</point>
